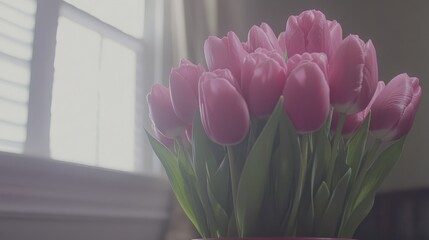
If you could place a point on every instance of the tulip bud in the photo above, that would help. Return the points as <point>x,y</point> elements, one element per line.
<point>353,75</point>
<point>184,89</point>
<point>188,133</point>
<point>282,42</point>
<point>311,32</point>
<point>227,52</point>
<point>168,142</point>
<point>394,110</point>
<point>263,37</point>
<point>306,95</point>
<point>162,113</point>
<point>262,81</point>
<point>319,58</point>
<point>246,46</point>
<point>224,112</point>
<point>354,121</point>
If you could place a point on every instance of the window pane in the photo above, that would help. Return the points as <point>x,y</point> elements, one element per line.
<point>93,99</point>
<point>117,106</point>
<point>16,39</point>
<point>75,94</point>
<point>126,15</point>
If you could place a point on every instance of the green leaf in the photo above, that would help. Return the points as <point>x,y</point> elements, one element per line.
<point>284,164</point>
<point>322,155</point>
<point>379,170</point>
<point>220,214</point>
<point>356,147</point>
<point>206,154</point>
<point>254,176</point>
<point>321,200</point>
<point>205,158</point>
<point>220,183</point>
<point>232,227</point>
<point>191,190</point>
<point>177,182</point>
<point>355,153</point>
<point>290,156</point>
<point>332,215</point>
<point>340,166</point>
<point>357,216</point>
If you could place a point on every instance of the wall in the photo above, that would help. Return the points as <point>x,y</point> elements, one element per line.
<point>399,31</point>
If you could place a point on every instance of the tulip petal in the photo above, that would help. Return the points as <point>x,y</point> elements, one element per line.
<point>351,90</point>
<point>393,111</point>
<point>306,96</point>
<point>184,89</point>
<point>161,112</point>
<point>224,112</point>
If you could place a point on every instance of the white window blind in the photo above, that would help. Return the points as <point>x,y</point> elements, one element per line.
<point>16,37</point>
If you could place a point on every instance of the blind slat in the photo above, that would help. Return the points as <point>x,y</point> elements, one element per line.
<point>16,38</point>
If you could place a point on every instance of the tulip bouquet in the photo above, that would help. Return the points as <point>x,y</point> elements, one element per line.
<point>281,136</point>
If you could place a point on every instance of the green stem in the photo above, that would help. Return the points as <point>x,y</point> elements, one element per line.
<point>369,159</point>
<point>234,174</point>
<point>292,223</point>
<point>334,149</point>
<point>366,164</point>
<point>182,145</point>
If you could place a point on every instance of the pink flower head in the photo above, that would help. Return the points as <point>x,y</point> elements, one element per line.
<point>394,110</point>
<point>227,52</point>
<point>162,113</point>
<point>184,89</point>
<point>262,80</point>
<point>353,75</point>
<point>311,32</point>
<point>354,121</point>
<point>168,142</point>
<point>319,58</point>
<point>306,95</point>
<point>224,112</point>
<point>263,37</point>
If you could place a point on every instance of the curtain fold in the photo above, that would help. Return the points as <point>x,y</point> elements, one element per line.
<point>187,24</point>
<point>201,21</point>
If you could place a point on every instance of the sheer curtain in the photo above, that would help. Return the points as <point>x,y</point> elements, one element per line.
<point>185,26</point>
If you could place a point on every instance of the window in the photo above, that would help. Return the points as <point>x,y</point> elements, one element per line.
<point>94,90</point>
<point>87,83</point>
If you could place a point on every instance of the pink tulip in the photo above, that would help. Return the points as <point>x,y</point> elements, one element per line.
<point>224,112</point>
<point>354,121</point>
<point>311,32</point>
<point>282,42</point>
<point>319,58</point>
<point>162,113</point>
<point>227,75</point>
<point>168,142</point>
<point>394,110</point>
<point>246,46</point>
<point>262,81</point>
<point>189,133</point>
<point>306,96</point>
<point>353,75</point>
<point>227,52</point>
<point>184,89</point>
<point>263,37</point>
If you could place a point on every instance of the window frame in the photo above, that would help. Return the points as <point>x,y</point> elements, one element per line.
<point>42,75</point>
<point>32,175</point>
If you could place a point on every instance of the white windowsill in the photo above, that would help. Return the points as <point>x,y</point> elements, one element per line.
<point>35,188</point>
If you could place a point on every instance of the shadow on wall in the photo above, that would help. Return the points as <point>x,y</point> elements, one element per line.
<point>400,34</point>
